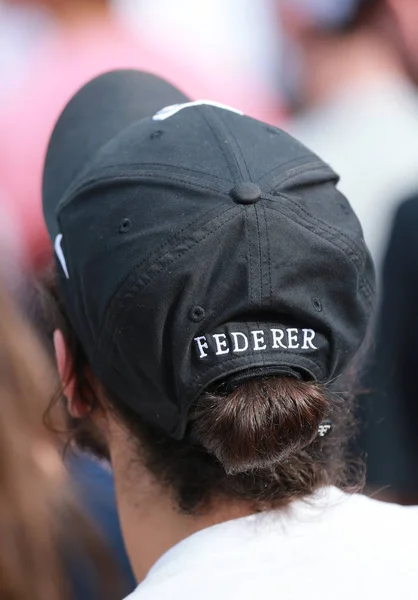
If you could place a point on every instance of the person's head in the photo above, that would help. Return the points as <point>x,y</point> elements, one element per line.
<point>53,4</point>
<point>30,469</point>
<point>404,14</point>
<point>67,10</point>
<point>212,286</point>
<point>331,45</point>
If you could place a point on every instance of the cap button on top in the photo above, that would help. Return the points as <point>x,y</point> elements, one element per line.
<point>246,193</point>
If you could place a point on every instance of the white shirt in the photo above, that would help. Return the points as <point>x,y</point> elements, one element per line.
<point>336,547</point>
<point>369,136</point>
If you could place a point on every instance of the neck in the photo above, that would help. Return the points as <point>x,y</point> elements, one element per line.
<point>333,66</point>
<point>151,521</point>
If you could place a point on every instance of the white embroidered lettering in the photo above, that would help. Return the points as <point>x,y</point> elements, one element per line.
<point>237,342</point>
<point>169,111</point>
<point>308,338</point>
<point>258,340</point>
<point>60,254</point>
<point>278,336</point>
<point>292,338</point>
<point>221,344</point>
<point>237,347</point>
<point>202,346</point>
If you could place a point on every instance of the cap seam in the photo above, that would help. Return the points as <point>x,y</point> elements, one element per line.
<point>322,224</point>
<point>143,175</point>
<point>304,168</point>
<point>221,146</point>
<point>138,284</point>
<point>268,256</point>
<point>263,356</point>
<point>168,248</point>
<point>330,236</point>
<point>250,262</point>
<point>328,231</point>
<point>131,288</point>
<point>163,248</point>
<point>238,151</point>
<point>149,166</point>
<point>259,255</point>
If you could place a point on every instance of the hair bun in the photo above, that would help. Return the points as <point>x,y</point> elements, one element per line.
<point>260,423</point>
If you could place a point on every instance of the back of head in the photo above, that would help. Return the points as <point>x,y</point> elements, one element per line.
<point>223,289</point>
<point>263,440</point>
<point>329,46</point>
<point>327,16</point>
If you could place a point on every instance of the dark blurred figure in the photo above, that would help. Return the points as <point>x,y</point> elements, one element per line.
<point>43,533</point>
<point>95,491</point>
<point>85,38</point>
<point>351,92</point>
<point>358,107</point>
<point>92,480</point>
<point>391,438</point>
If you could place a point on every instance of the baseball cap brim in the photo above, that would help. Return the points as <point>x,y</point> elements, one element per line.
<point>99,111</point>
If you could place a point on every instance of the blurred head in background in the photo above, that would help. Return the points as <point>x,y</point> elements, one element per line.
<point>404,14</point>
<point>60,5</point>
<point>85,38</point>
<point>350,70</point>
<point>31,475</point>
<point>44,536</point>
<point>331,45</point>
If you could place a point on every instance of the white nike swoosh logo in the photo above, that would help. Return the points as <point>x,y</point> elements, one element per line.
<point>60,254</point>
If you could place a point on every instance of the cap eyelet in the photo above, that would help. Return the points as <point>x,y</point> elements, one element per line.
<point>317,304</point>
<point>197,314</point>
<point>273,130</point>
<point>345,208</point>
<point>125,226</point>
<point>156,134</point>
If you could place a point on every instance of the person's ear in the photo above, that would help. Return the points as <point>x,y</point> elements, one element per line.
<point>76,407</point>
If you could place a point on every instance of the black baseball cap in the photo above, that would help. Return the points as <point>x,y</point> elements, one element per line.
<point>198,246</point>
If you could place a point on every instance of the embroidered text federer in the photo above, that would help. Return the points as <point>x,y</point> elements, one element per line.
<point>257,340</point>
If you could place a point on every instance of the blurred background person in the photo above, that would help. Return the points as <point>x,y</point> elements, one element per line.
<point>397,356</point>
<point>44,535</point>
<point>85,38</point>
<point>91,483</point>
<point>392,435</point>
<point>353,100</point>
<point>92,480</point>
